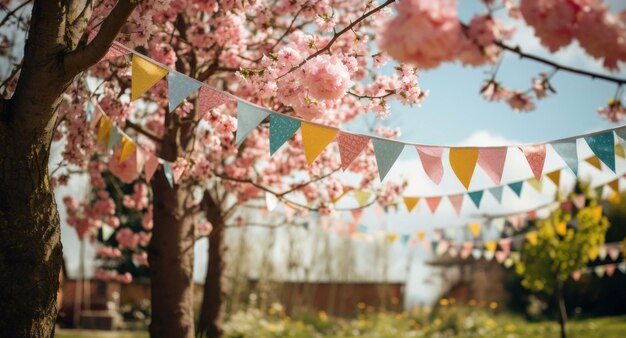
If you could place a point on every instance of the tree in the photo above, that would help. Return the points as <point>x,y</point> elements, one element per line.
<point>30,250</point>
<point>562,247</point>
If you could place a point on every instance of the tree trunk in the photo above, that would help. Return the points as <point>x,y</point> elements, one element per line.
<point>561,305</point>
<point>213,305</point>
<point>171,254</point>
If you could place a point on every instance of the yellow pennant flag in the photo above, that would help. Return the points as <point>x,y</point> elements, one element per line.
<point>619,151</point>
<point>614,185</point>
<point>105,129</point>
<point>491,246</point>
<point>535,184</point>
<point>362,197</point>
<point>463,163</point>
<point>315,139</point>
<point>345,191</point>
<point>474,229</point>
<point>410,202</point>
<point>144,75</point>
<point>421,235</point>
<point>593,253</point>
<point>128,148</point>
<point>561,229</point>
<point>532,237</point>
<point>595,162</point>
<point>555,177</point>
<point>392,237</point>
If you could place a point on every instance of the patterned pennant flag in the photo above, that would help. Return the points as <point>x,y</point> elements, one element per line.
<point>492,161</point>
<point>179,87</point>
<point>567,150</point>
<point>594,161</point>
<point>350,146</point>
<point>517,187</point>
<point>248,118</point>
<point>619,151</point>
<point>496,192</point>
<point>535,183</point>
<point>128,148</point>
<point>362,197</point>
<point>387,153</point>
<point>169,175</point>
<point>150,166</point>
<point>555,177</point>
<point>463,162</point>
<point>114,52</point>
<point>209,98</point>
<point>433,203</point>
<point>145,74</point>
<point>474,229</point>
<point>410,202</point>
<point>281,129</point>
<point>104,132</point>
<point>431,162</point>
<point>476,197</point>
<point>603,145</point>
<point>315,139</point>
<point>536,157</point>
<point>457,202</point>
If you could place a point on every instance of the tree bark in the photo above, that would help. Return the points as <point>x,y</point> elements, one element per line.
<point>213,305</point>
<point>562,309</point>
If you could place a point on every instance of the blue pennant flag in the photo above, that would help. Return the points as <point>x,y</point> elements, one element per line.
<point>621,133</point>
<point>169,175</point>
<point>115,138</point>
<point>248,118</point>
<point>568,152</point>
<point>281,130</point>
<point>90,109</point>
<point>476,197</point>
<point>517,187</point>
<point>179,87</point>
<point>496,192</point>
<point>603,145</point>
<point>387,153</point>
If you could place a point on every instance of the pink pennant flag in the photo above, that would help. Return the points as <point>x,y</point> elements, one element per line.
<point>466,250</point>
<point>517,221</point>
<point>536,157</point>
<point>433,203</point>
<point>431,161</point>
<point>350,146</point>
<point>492,161</point>
<point>613,251</point>
<point>97,113</point>
<point>532,215</point>
<point>114,51</point>
<point>576,275</point>
<point>579,201</point>
<point>457,202</point>
<point>453,252</point>
<point>150,166</point>
<point>610,269</point>
<point>501,256</point>
<point>567,206</point>
<point>357,214</point>
<point>177,170</point>
<point>209,98</point>
<point>505,244</point>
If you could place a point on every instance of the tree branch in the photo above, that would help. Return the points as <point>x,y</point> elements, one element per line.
<point>83,57</point>
<point>143,131</point>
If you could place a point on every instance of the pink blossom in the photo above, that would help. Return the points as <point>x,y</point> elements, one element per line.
<point>125,278</point>
<point>127,238</point>
<point>326,77</point>
<point>613,112</point>
<point>521,102</point>
<point>554,21</point>
<point>141,258</point>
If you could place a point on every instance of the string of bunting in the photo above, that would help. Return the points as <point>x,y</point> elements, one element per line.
<point>316,137</point>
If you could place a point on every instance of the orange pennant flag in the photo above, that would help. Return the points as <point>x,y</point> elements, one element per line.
<point>463,162</point>
<point>614,185</point>
<point>315,139</point>
<point>619,151</point>
<point>410,202</point>
<point>595,162</point>
<point>555,177</point>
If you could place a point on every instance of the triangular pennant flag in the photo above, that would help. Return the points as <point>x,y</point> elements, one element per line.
<point>501,256</point>
<point>492,161</point>
<point>463,162</point>
<point>614,185</point>
<point>555,177</point>
<point>561,228</point>
<point>579,201</point>
<point>476,197</point>
<point>613,252</point>
<point>532,237</point>
<point>567,206</point>
<point>178,169</point>
<point>532,215</point>
<point>97,115</point>
<point>498,224</point>
<point>179,87</point>
<point>421,235</point>
<point>491,246</point>
<point>271,201</point>
<point>610,269</point>
<point>536,157</point>
<point>488,255</point>
<point>433,203</point>
<point>622,267</point>
<point>595,162</point>
<point>114,51</point>
<point>350,146</point>
<point>169,175</point>
<point>505,244</point>
<point>477,254</point>
<point>410,202</point>
<point>315,139</point>
<point>209,98</point>
<point>474,229</point>
<point>115,138</point>
<point>599,191</point>
<point>150,166</point>
<point>619,151</point>
<point>603,145</point>
<point>357,214</point>
<point>517,187</point>
<point>107,231</point>
<point>568,152</point>
<point>104,132</point>
<point>140,157</point>
<point>535,184</point>
<point>602,253</point>
<point>90,110</point>
<point>457,202</point>
<point>453,252</point>
<point>362,197</point>
<point>144,75</point>
<point>621,133</point>
<point>593,253</point>
<point>128,148</point>
<point>387,153</point>
<point>599,270</point>
<point>496,192</point>
<point>431,162</point>
<point>517,221</point>
<point>248,118</point>
<point>281,129</point>
<point>576,275</point>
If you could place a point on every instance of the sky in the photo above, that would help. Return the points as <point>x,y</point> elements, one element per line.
<point>455,114</point>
